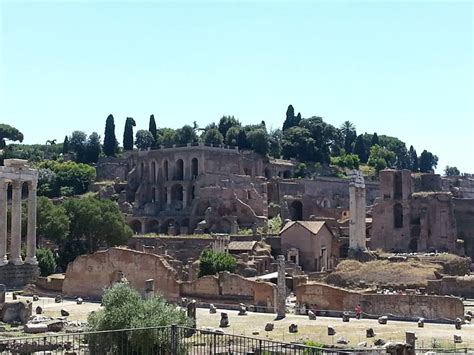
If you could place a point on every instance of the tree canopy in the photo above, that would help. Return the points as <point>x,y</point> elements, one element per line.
<point>10,133</point>
<point>110,140</point>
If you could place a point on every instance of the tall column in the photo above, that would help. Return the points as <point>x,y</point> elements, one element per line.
<point>15,249</point>
<point>3,222</point>
<point>31,237</point>
<point>357,212</point>
<point>281,288</point>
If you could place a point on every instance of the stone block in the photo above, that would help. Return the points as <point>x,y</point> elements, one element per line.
<point>269,327</point>
<point>457,339</point>
<point>383,320</point>
<point>31,328</point>
<point>421,323</point>
<point>16,311</point>
<point>64,313</point>
<point>311,315</point>
<point>212,309</point>
<point>224,322</point>
<point>345,317</point>
<point>369,333</point>
<point>293,328</point>
<point>55,326</point>
<point>79,300</point>
<point>331,330</point>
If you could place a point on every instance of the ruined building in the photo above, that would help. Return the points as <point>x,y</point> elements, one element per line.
<point>414,214</point>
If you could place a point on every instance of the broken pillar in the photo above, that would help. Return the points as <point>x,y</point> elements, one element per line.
<point>149,289</point>
<point>281,288</point>
<point>357,212</point>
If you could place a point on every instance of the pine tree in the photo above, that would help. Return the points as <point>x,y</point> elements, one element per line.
<point>128,134</point>
<point>290,118</point>
<point>375,140</point>
<point>110,141</point>
<point>66,145</point>
<point>359,149</point>
<point>413,159</point>
<point>152,128</point>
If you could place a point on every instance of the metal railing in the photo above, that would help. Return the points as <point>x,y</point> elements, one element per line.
<point>168,340</point>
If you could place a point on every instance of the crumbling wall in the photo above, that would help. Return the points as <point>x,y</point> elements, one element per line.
<point>89,275</point>
<point>464,216</point>
<point>462,286</point>
<point>325,297</point>
<point>206,287</point>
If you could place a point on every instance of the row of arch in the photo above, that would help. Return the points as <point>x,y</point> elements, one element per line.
<point>165,226</point>
<point>169,171</point>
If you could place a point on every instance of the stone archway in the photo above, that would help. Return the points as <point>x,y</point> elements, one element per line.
<point>136,226</point>
<point>179,169</point>
<point>194,167</point>
<point>296,210</point>
<point>153,226</point>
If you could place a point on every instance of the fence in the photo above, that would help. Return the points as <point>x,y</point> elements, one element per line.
<point>169,340</point>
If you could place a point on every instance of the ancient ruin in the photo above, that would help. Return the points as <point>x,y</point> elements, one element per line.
<point>14,270</point>
<point>357,233</point>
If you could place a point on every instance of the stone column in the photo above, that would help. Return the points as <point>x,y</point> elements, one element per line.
<point>3,222</point>
<point>168,196</point>
<point>31,236</point>
<point>15,249</point>
<point>357,212</point>
<point>185,197</point>
<point>281,288</point>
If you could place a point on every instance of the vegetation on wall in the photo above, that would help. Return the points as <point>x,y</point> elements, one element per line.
<point>212,262</point>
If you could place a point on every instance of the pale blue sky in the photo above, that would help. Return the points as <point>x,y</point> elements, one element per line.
<point>402,68</point>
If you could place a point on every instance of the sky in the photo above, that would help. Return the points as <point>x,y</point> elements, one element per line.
<point>401,68</point>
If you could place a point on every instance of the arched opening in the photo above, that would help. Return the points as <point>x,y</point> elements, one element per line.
<point>296,211</point>
<point>397,216</point>
<point>153,172</point>
<point>325,203</point>
<point>177,196</point>
<point>192,193</point>
<point>397,185</point>
<point>153,226</point>
<point>249,195</point>
<point>286,174</point>
<point>413,246</point>
<point>142,169</point>
<point>136,226</point>
<point>268,174</point>
<point>344,250</point>
<point>248,171</point>
<point>153,195</point>
<point>194,168</point>
<point>179,169</point>
<point>165,170</point>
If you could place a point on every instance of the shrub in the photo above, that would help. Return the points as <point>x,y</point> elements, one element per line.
<point>46,261</point>
<point>125,309</point>
<point>212,262</point>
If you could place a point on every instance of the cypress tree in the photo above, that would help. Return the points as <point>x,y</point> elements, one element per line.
<point>375,140</point>
<point>128,134</point>
<point>290,118</point>
<point>66,145</point>
<point>152,127</point>
<point>110,141</point>
<point>359,149</point>
<point>413,159</point>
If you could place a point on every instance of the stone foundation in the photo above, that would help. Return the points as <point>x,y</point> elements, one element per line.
<point>18,275</point>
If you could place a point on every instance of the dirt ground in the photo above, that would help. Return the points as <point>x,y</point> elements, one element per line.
<point>316,330</point>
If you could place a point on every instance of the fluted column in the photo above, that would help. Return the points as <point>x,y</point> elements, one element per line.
<point>31,236</point>
<point>15,249</point>
<point>3,222</point>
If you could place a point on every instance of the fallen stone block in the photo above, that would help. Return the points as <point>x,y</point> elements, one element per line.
<point>369,333</point>
<point>224,322</point>
<point>345,317</point>
<point>383,320</point>
<point>79,300</point>
<point>331,330</point>
<point>58,299</point>
<point>212,309</point>
<point>39,310</point>
<point>342,340</point>
<point>64,313</point>
<point>35,298</point>
<point>293,328</point>
<point>55,326</point>
<point>379,342</point>
<point>31,328</point>
<point>458,323</point>
<point>457,339</point>
<point>311,315</point>
<point>421,323</point>
<point>269,327</point>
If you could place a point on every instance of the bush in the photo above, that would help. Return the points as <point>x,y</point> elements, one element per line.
<point>46,261</point>
<point>274,225</point>
<point>212,262</point>
<point>125,309</point>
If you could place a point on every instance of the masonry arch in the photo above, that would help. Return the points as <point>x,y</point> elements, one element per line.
<point>296,210</point>
<point>153,171</point>
<point>179,169</point>
<point>136,226</point>
<point>176,193</point>
<point>142,169</point>
<point>153,194</point>
<point>325,203</point>
<point>268,173</point>
<point>287,174</point>
<point>194,168</point>
<point>398,216</point>
<point>153,226</point>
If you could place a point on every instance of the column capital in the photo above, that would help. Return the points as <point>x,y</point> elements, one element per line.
<point>33,184</point>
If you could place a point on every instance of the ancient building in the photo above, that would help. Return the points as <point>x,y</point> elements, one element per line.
<point>413,214</point>
<point>310,245</point>
<point>15,175</point>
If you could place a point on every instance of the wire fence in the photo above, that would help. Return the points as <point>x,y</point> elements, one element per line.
<point>169,340</point>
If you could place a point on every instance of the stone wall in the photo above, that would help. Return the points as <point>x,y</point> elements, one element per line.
<point>51,283</point>
<point>230,288</point>
<point>462,286</point>
<point>89,275</point>
<point>324,297</point>
<point>464,216</point>
<point>110,168</point>
<point>18,275</point>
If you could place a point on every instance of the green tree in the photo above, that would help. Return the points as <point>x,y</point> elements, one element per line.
<point>46,261</point>
<point>166,136</point>
<point>93,148</point>
<point>186,135</point>
<point>381,157</point>
<point>128,134</point>
<point>110,140</point>
<point>213,136</point>
<point>77,144</point>
<point>428,162</point>
<point>274,143</point>
<point>152,128</point>
<point>298,143</point>
<point>349,135</point>
<point>124,308</point>
<point>290,118</point>
<point>52,221</point>
<point>65,149</point>
<point>375,140</point>
<point>212,262</point>
<point>349,161</point>
<point>10,133</point>
<point>359,149</point>
<point>413,159</point>
<point>144,139</point>
<point>226,122</point>
<point>300,171</point>
<point>258,139</point>
<point>232,136</point>
<point>451,171</point>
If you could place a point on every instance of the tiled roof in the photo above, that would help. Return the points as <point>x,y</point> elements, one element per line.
<point>245,245</point>
<point>313,226</point>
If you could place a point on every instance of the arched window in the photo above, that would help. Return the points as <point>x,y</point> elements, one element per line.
<point>194,168</point>
<point>142,168</point>
<point>296,210</point>
<point>153,172</point>
<point>165,170</point>
<point>397,216</point>
<point>179,169</point>
<point>397,185</point>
